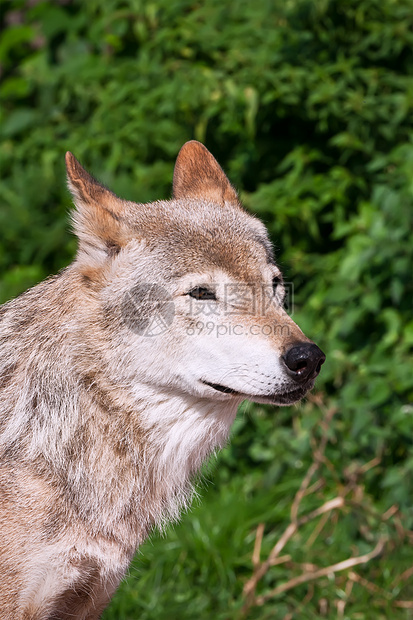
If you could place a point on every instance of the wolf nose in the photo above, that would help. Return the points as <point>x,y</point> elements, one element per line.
<point>304,361</point>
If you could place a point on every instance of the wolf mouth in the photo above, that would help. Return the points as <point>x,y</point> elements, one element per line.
<point>222,388</point>
<point>285,398</point>
<point>289,398</point>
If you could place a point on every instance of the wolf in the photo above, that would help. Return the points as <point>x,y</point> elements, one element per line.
<point>121,375</point>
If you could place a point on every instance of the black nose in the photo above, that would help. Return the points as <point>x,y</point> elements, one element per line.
<point>304,361</point>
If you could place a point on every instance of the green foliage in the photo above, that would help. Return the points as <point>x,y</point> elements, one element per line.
<point>309,108</point>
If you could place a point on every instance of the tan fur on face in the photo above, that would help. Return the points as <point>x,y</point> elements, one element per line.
<point>101,428</point>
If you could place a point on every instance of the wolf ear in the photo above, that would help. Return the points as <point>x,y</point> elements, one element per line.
<point>198,175</point>
<point>97,221</point>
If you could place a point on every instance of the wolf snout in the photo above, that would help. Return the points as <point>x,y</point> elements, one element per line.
<point>303,361</point>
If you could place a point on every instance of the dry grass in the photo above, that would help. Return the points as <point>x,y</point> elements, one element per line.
<point>350,497</point>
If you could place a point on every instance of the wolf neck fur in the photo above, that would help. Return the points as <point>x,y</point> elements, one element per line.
<point>143,475</point>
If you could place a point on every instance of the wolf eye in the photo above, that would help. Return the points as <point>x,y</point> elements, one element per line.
<point>202,293</point>
<point>275,282</point>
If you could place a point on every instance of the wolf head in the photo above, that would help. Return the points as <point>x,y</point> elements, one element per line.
<point>187,291</point>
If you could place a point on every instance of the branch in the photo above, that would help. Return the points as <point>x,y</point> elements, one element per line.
<point>323,572</point>
<point>260,571</point>
<point>257,546</point>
